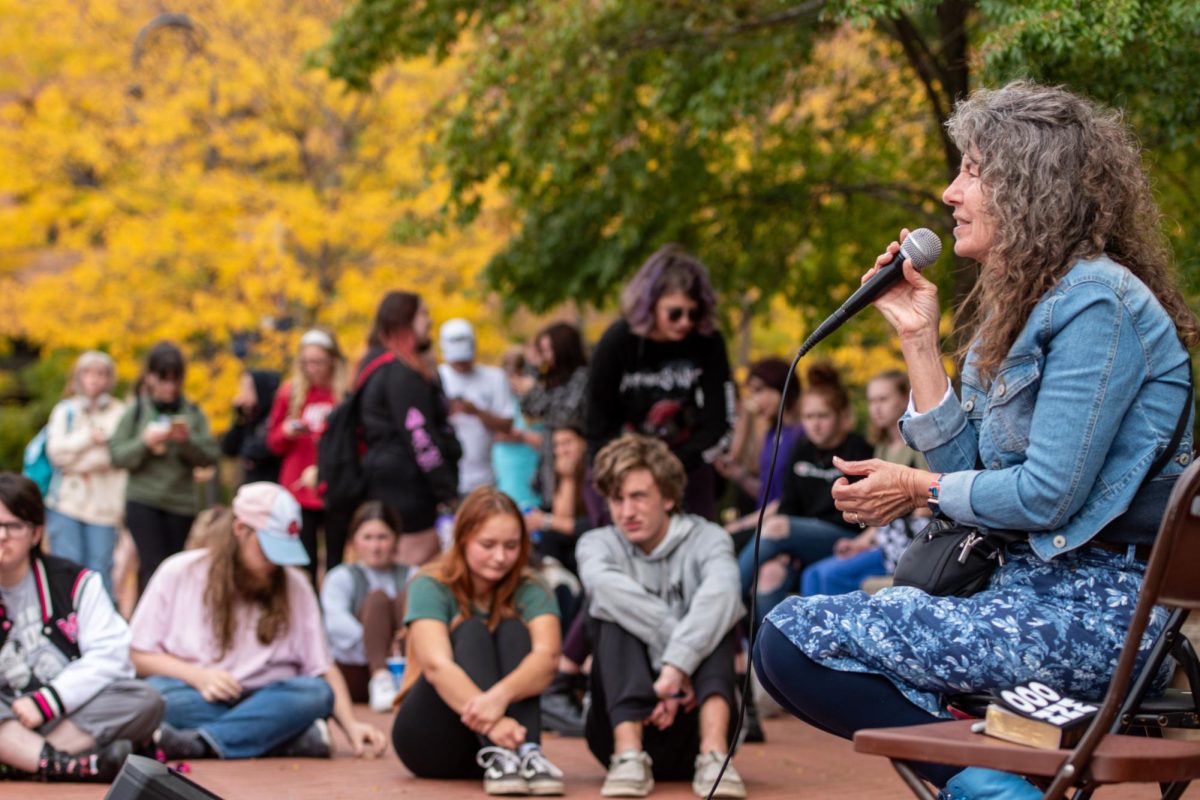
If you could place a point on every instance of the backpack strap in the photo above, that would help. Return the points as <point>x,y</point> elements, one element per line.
<point>369,369</point>
<point>1161,462</point>
<point>359,592</point>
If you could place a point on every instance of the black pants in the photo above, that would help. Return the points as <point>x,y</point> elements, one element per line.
<point>836,702</point>
<point>336,525</point>
<point>623,691</point>
<point>429,737</point>
<point>158,535</point>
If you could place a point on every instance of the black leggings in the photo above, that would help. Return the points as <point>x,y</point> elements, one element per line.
<point>158,535</point>
<point>336,525</point>
<point>428,735</point>
<point>836,702</point>
<point>623,691</point>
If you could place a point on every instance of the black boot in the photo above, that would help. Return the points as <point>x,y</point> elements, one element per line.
<point>561,709</point>
<point>94,766</point>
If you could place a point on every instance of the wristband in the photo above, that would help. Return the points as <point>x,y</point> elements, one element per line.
<point>935,492</point>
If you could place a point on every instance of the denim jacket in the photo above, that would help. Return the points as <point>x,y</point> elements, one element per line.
<point>1087,398</point>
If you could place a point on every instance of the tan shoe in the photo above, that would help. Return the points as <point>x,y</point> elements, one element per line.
<point>708,766</point>
<point>628,775</point>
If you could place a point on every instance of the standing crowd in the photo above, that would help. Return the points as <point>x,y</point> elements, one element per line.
<point>513,538</point>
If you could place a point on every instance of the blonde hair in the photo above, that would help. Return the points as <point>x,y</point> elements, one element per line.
<point>631,452</point>
<point>87,360</point>
<point>300,385</point>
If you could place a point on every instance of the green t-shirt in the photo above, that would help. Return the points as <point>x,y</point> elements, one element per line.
<point>429,598</point>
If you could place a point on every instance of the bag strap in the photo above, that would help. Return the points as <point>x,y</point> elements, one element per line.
<point>1165,456</point>
<point>369,369</point>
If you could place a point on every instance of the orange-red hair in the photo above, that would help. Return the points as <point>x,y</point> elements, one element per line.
<point>450,568</point>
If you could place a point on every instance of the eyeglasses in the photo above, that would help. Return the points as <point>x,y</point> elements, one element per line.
<point>14,528</point>
<point>676,313</point>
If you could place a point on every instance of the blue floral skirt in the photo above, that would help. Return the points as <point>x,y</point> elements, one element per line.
<point>1061,622</point>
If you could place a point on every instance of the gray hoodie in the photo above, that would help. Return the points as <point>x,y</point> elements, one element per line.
<point>680,599</point>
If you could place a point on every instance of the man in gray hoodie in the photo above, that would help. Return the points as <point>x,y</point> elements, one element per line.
<point>663,597</point>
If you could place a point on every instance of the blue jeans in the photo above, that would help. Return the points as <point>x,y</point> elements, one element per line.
<point>253,725</point>
<point>808,541</point>
<point>86,544</point>
<point>835,575</point>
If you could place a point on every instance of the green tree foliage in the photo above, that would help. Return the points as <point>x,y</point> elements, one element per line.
<point>783,140</point>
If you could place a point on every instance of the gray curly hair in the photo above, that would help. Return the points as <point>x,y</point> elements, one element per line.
<point>1064,181</point>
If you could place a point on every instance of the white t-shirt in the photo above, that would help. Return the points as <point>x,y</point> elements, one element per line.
<point>487,388</point>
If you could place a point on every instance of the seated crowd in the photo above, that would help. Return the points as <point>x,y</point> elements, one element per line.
<point>574,563</point>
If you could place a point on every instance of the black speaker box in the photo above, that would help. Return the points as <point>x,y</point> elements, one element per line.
<point>144,778</point>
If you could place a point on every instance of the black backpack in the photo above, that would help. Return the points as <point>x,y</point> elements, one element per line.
<point>340,479</point>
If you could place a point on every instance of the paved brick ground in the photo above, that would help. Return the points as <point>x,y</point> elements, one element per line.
<point>796,762</point>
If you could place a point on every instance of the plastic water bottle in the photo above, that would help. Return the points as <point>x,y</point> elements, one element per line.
<point>445,530</point>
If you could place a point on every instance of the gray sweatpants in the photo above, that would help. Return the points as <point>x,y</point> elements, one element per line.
<point>122,710</point>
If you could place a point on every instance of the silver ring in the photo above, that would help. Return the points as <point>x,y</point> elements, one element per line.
<point>858,519</point>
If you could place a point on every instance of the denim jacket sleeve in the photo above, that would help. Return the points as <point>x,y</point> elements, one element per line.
<point>1050,416</point>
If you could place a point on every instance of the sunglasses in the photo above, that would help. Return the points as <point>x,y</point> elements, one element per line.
<point>675,314</point>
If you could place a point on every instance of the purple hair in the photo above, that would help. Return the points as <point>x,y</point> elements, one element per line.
<point>669,270</point>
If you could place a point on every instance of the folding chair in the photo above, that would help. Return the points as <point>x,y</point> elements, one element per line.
<point>1104,755</point>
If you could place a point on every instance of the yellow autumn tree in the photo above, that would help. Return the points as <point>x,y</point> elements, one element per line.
<point>185,176</point>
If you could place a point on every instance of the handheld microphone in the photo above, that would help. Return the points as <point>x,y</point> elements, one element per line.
<point>923,246</point>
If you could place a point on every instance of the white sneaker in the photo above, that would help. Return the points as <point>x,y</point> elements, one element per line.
<point>629,775</point>
<point>541,775</point>
<point>381,691</point>
<point>708,766</point>
<point>501,771</point>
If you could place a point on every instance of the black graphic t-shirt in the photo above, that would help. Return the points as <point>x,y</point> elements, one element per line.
<point>680,392</point>
<point>808,483</point>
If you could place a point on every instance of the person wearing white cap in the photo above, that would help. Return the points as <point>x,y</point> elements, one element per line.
<point>481,403</point>
<point>320,380</point>
<point>231,637</point>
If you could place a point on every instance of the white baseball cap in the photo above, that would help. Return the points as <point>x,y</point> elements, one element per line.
<point>275,516</point>
<point>456,337</point>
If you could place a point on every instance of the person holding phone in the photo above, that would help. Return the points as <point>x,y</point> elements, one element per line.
<point>320,380</point>
<point>160,440</point>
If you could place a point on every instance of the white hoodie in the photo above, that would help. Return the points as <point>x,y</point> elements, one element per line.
<point>681,599</point>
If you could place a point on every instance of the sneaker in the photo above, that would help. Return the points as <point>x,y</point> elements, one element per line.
<point>708,766</point>
<point>313,743</point>
<point>501,771</point>
<point>542,777</point>
<point>99,765</point>
<point>628,775</point>
<point>179,744</point>
<point>381,691</point>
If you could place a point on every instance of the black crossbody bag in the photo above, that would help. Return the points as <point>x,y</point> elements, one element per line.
<point>947,558</point>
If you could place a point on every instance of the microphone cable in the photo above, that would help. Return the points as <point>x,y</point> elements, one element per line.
<point>747,689</point>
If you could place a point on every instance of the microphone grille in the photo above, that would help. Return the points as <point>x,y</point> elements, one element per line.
<point>923,246</point>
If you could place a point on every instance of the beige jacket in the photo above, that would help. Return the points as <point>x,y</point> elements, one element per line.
<point>86,486</point>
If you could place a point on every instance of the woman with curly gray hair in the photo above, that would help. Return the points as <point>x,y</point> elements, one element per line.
<point>1076,316</point>
<point>662,370</point>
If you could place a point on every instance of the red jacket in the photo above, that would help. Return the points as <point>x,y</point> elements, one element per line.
<point>299,451</point>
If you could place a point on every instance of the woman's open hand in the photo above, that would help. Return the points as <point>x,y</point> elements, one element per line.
<point>887,491</point>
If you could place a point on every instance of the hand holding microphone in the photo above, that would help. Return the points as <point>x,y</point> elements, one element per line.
<point>910,305</point>
<point>908,310</point>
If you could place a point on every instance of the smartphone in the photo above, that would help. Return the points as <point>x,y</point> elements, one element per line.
<point>179,424</point>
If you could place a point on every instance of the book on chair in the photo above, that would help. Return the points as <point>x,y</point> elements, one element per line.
<point>1033,714</point>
